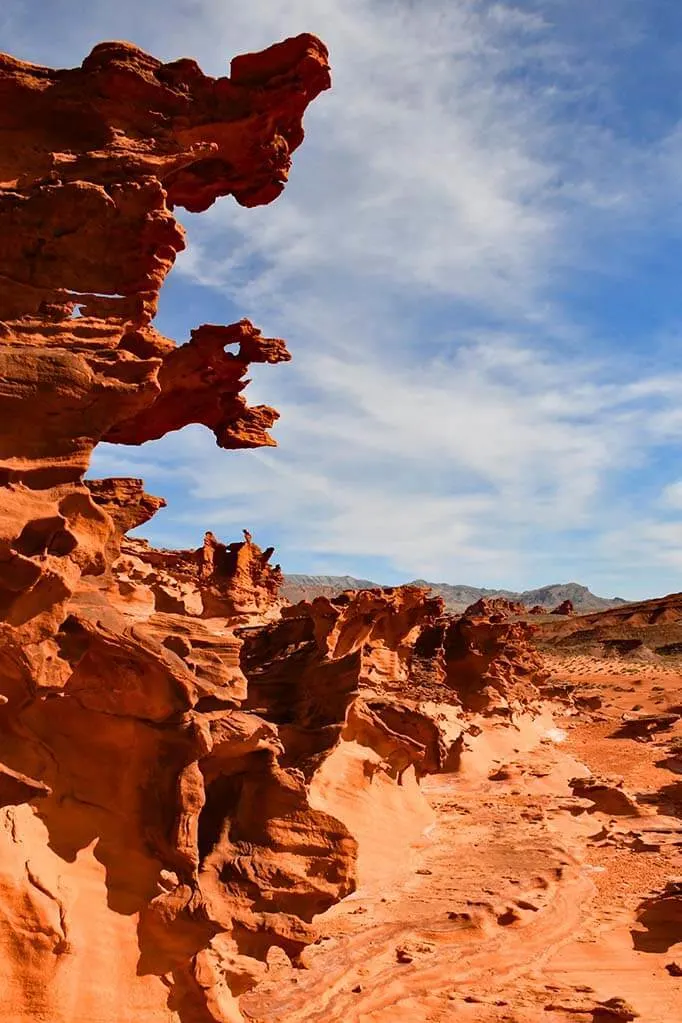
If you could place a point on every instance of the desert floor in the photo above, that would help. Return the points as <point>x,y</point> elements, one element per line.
<point>520,901</point>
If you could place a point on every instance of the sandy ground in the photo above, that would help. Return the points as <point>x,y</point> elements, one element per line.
<point>520,902</point>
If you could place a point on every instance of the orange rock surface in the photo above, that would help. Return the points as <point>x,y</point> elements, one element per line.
<point>152,846</point>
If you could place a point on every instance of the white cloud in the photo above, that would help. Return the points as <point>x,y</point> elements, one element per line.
<point>472,469</point>
<point>423,168</point>
<point>648,546</point>
<point>671,496</point>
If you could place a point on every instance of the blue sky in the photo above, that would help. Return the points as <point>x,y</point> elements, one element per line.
<point>476,265</point>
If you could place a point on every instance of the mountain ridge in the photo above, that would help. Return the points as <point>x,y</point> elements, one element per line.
<point>457,596</point>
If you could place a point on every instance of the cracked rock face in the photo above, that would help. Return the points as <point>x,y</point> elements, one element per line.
<point>190,773</point>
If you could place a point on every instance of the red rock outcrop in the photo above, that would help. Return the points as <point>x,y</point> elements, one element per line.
<point>372,690</point>
<point>232,581</point>
<point>491,665</point>
<point>339,669</point>
<point>92,163</point>
<point>153,847</point>
<point>190,772</point>
<point>495,609</point>
<point>564,608</point>
<point>634,630</point>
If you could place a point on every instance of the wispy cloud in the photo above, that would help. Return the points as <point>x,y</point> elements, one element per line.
<point>515,479</point>
<point>428,168</point>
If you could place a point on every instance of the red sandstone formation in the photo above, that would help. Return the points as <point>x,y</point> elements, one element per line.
<point>92,163</point>
<point>657,623</point>
<point>490,664</point>
<point>565,608</point>
<point>233,581</point>
<point>336,671</point>
<point>126,896</point>
<point>494,609</point>
<point>647,632</point>
<point>537,609</point>
<point>184,786</point>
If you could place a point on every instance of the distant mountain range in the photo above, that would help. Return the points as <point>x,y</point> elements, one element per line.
<point>456,597</point>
